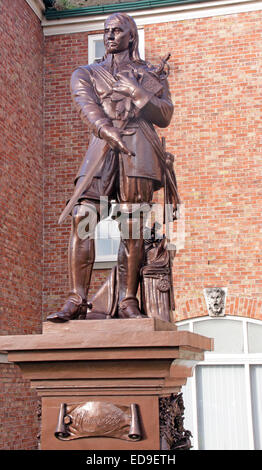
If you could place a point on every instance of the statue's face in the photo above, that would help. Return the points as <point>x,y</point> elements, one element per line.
<point>117,35</point>
<point>215,301</point>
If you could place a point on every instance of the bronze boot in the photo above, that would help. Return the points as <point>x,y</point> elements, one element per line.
<point>70,310</point>
<point>129,308</point>
<point>81,256</point>
<point>130,260</point>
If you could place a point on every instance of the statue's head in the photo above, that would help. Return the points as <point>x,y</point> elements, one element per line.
<point>120,34</point>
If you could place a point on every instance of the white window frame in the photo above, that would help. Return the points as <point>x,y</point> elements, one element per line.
<point>245,359</point>
<point>92,38</point>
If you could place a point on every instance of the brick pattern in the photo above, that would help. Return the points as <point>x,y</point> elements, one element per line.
<point>21,211</point>
<point>215,84</point>
<point>214,134</point>
<point>235,305</point>
<point>20,425</point>
<point>21,165</point>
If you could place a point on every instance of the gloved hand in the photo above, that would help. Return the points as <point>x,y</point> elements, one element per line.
<point>129,86</point>
<point>113,136</point>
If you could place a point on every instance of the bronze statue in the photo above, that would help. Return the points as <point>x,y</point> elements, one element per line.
<point>120,98</point>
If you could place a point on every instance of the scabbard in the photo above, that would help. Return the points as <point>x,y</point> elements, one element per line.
<point>153,138</point>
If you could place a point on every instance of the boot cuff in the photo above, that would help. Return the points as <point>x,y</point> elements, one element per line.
<point>75,298</point>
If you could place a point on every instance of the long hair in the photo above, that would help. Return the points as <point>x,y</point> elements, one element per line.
<point>133,46</point>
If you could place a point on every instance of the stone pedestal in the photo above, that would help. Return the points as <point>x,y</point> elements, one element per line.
<point>117,363</point>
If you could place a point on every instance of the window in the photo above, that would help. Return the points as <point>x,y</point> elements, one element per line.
<point>96,47</point>
<point>107,233</point>
<point>223,398</point>
<point>107,240</point>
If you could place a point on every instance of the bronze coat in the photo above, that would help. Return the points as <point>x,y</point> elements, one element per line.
<point>97,108</point>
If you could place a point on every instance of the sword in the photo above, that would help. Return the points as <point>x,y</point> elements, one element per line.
<point>166,221</point>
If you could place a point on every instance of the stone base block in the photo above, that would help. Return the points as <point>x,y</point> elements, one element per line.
<point>101,380</point>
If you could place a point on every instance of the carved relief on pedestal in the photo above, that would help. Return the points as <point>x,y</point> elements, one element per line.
<point>173,436</point>
<point>98,419</point>
<point>216,301</point>
<point>39,418</point>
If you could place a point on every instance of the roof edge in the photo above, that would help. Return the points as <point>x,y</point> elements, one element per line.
<point>52,14</point>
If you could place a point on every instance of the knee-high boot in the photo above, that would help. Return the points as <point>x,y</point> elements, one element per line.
<point>81,257</point>
<point>130,261</point>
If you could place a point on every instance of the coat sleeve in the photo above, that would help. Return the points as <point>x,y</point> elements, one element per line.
<point>159,110</point>
<point>156,107</point>
<point>86,101</point>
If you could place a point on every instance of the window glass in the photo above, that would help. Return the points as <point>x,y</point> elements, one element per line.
<point>256,392</point>
<point>107,240</point>
<point>188,404</point>
<point>222,411</point>
<point>254,337</point>
<point>99,48</point>
<point>220,390</point>
<point>227,334</point>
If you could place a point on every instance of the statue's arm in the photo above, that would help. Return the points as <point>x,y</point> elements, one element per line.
<point>91,112</point>
<point>159,110</point>
<point>86,101</point>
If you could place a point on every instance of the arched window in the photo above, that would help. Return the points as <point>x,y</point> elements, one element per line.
<point>223,406</point>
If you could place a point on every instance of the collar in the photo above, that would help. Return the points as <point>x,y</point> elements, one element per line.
<point>117,60</point>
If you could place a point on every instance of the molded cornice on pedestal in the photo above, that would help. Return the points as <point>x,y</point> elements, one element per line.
<point>149,352</point>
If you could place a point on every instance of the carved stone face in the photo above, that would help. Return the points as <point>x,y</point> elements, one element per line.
<point>117,35</point>
<point>216,301</point>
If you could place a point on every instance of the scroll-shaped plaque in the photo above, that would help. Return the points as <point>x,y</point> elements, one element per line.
<point>98,419</point>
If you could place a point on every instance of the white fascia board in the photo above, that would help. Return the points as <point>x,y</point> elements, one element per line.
<point>154,16</point>
<point>37,6</point>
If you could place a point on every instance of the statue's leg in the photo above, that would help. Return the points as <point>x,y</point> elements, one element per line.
<point>81,257</point>
<point>130,261</point>
<point>137,191</point>
<point>81,251</point>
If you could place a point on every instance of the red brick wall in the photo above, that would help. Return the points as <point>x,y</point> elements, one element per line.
<point>21,200</point>
<point>215,136</point>
<point>65,138</point>
<point>20,424</point>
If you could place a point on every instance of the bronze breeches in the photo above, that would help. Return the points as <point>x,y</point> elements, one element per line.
<point>116,185</point>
